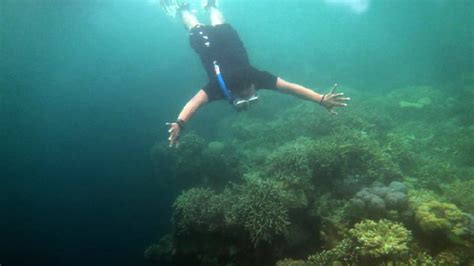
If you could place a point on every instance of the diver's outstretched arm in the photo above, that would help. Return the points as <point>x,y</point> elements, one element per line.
<point>328,100</point>
<point>189,109</point>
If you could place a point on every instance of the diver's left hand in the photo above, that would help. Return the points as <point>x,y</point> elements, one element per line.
<point>332,99</point>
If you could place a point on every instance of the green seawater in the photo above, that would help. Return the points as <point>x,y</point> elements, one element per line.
<point>86,87</point>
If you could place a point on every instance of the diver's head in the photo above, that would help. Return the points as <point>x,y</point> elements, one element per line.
<point>242,88</point>
<point>245,92</point>
<point>243,98</point>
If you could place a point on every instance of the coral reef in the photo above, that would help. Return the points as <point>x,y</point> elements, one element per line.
<point>291,262</point>
<point>381,239</point>
<point>197,209</point>
<point>160,254</point>
<point>342,253</point>
<point>368,243</point>
<point>260,207</point>
<point>460,192</point>
<point>446,218</point>
<point>292,162</point>
<point>383,184</point>
<point>379,201</point>
<point>197,163</point>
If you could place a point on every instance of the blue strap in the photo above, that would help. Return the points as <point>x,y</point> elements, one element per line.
<point>222,83</point>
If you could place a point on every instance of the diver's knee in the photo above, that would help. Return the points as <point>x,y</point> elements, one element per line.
<point>216,16</point>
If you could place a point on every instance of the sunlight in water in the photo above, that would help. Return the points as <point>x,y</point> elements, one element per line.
<point>356,6</point>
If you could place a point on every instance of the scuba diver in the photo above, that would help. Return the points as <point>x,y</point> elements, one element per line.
<point>231,76</point>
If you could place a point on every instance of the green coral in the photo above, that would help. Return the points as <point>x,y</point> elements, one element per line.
<point>461,193</point>
<point>381,239</point>
<point>450,257</point>
<point>354,152</point>
<point>370,242</point>
<point>198,209</point>
<point>160,254</point>
<point>292,161</point>
<point>434,216</point>
<point>421,258</point>
<point>343,252</point>
<point>301,166</point>
<point>292,262</point>
<point>259,206</point>
<point>196,163</point>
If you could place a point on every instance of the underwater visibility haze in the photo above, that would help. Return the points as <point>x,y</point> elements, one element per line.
<point>87,177</point>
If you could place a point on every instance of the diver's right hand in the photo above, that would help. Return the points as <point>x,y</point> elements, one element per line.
<point>174,130</point>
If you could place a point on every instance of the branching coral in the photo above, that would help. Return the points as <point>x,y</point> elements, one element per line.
<point>160,254</point>
<point>354,152</point>
<point>260,207</point>
<point>381,239</point>
<point>198,209</point>
<point>312,165</point>
<point>292,161</point>
<point>343,252</point>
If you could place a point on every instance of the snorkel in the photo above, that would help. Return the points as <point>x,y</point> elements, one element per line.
<point>238,103</point>
<point>221,81</point>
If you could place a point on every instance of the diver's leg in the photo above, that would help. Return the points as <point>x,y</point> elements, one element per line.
<point>189,19</point>
<point>216,16</point>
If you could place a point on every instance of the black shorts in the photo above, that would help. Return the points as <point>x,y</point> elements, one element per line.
<point>219,43</point>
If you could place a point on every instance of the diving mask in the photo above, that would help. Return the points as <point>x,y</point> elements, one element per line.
<point>243,104</point>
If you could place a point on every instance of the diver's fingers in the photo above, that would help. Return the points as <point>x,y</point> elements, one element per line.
<point>334,88</point>
<point>344,99</point>
<point>171,130</point>
<point>172,141</point>
<point>332,112</point>
<point>338,94</point>
<point>339,104</point>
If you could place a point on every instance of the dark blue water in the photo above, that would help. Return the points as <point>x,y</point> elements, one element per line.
<point>86,87</point>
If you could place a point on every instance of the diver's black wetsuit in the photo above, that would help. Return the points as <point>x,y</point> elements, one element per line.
<point>222,44</point>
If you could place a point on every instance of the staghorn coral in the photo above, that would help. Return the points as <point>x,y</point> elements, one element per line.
<point>351,152</point>
<point>259,206</point>
<point>292,165</point>
<point>381,239</point>
<point>343,252</point>
<point>292,161</point>
<point>198,209</point>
